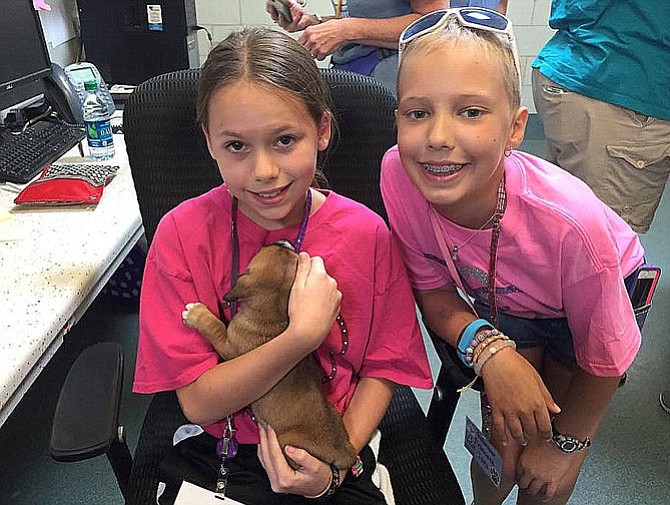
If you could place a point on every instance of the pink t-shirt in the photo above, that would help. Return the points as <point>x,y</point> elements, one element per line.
<point>189,260</point>
<point>561,253</point>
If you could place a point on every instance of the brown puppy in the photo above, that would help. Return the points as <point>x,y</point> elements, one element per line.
<point>295,407</point>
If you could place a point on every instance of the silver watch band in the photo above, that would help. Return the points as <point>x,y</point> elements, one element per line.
<point>567,443</point>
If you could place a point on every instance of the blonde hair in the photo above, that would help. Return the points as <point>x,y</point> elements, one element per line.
<point>498,46</point>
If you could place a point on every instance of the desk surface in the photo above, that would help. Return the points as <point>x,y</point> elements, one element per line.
<point>53,263</point>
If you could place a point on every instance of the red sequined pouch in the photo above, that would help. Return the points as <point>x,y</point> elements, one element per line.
<point>67,184</point>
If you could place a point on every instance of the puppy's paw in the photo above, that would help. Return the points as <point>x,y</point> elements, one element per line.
<point>193,313</point>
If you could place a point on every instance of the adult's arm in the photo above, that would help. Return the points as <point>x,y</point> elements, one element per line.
<point>322,39</point>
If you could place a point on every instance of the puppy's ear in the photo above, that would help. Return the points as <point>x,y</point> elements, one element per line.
<point>240,290</point>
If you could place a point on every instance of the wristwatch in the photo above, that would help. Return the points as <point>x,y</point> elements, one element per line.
<point>567,443</point>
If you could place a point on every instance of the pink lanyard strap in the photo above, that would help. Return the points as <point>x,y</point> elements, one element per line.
<point>444,247</point>
<point>440,234</point>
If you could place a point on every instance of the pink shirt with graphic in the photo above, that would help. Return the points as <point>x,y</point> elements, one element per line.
<point>562,253</point>
<point>189,260</point>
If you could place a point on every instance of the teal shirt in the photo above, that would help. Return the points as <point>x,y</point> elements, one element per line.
<point>616,51</point>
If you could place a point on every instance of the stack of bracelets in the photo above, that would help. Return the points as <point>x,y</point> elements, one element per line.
<point>478,342</point>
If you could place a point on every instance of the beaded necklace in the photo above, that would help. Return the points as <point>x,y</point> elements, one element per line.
<point>441,232</point>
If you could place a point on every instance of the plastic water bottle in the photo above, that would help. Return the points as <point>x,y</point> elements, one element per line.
<point>98,127</point>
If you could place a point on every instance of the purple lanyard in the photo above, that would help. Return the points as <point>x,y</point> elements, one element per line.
<point>235,243</point>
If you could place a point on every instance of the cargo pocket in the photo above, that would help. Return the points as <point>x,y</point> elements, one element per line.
<point>653,157</point>
<point>637,175</point>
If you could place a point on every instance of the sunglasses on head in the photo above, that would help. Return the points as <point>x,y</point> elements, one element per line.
<point>471,17</point>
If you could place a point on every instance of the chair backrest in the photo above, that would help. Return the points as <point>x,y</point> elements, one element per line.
<point>166,149</point>
<point>170,162</point>
<point>364,110</point>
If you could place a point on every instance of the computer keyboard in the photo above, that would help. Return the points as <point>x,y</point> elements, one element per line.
<point>24,155</point>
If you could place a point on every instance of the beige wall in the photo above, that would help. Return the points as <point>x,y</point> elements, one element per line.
<point>221,17</point>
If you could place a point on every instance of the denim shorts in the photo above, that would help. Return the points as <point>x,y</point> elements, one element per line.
<point>551,334</point>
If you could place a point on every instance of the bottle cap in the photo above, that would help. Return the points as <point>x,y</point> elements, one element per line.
<point>90,85</point>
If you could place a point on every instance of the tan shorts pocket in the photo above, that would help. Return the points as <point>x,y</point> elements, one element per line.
<point>639,172</point>
<point>655,157</point>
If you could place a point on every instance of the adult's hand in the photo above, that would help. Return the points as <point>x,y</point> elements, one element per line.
<point>301,19</point>
<point>324,39</point>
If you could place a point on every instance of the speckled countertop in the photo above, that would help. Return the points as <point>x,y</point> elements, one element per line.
<point>52,261</point>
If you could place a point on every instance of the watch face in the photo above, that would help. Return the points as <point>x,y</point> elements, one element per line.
<point>568,446</point>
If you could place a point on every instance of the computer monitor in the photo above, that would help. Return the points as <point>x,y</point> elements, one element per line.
<point>24,58</point>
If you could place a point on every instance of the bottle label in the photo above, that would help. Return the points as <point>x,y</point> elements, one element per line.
<point>99,133</point>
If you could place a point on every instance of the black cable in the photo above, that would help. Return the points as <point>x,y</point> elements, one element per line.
<point>209,35</point>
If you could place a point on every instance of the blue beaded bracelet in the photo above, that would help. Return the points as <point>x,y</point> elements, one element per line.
<point>468,336</point>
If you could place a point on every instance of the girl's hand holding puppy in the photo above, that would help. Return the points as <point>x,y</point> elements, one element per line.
<point>314,302</point>
<point>311,478</point>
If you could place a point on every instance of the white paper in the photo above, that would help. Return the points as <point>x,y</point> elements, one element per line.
<point>190,494</point>
<point>155,17</point>
<point>57,23</point>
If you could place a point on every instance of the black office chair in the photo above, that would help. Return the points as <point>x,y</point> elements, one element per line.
<point>170,162</point>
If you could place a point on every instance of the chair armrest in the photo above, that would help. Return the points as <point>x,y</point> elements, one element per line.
<point>86,419</point>
<point>453,375</point>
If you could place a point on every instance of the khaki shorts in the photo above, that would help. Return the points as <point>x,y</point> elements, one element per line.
<point>622,155</point>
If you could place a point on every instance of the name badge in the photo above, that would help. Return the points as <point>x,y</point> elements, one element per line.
<point>483,452</point>
<point>190,494</point>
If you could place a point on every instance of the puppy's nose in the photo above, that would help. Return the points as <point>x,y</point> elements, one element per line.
<point>285,244</point>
